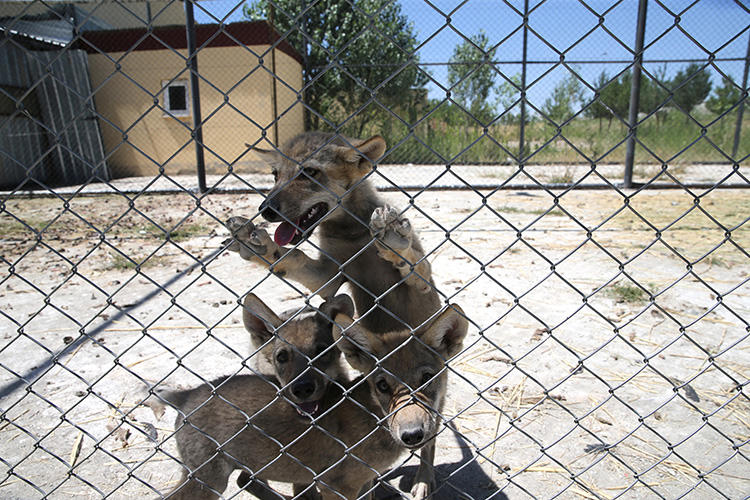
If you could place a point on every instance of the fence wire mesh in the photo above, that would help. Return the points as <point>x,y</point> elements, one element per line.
<point>569,189</point>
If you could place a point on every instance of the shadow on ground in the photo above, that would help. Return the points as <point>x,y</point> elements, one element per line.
<point>464,479</point>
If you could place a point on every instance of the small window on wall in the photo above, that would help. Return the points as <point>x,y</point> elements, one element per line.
<point>176,98</point>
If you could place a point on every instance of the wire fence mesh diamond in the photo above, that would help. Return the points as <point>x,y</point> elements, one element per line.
<point>355,248</point>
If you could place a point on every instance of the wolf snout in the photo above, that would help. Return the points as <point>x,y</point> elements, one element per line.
<point>303,389</point>
<point>270,209</point>
<point>412,425</point>
<point>412,437</point>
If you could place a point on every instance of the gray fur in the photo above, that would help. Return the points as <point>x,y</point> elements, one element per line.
<point>343,232</point>
<point>241,422</point>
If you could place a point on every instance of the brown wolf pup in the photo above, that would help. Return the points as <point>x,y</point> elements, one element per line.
<point>241,423</point>
<point>299,349</point>
<point>319,182</point>
<point>319,185</point>
<point>289,343</point>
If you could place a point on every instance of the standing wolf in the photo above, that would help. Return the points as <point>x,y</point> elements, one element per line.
<point>320,184</point>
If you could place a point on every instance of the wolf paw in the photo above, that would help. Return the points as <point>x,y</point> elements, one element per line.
<point>392,230</point>
<point>249,241</point>
<point>424,481</point>
<point>420,490</point>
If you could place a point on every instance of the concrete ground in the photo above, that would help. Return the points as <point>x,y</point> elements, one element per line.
<point>608,353</point>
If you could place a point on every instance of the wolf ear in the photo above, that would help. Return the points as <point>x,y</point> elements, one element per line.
<point>362,152</point>
<point>447,332</point>
<point>260,321</point>
<point>340,304</point>
<point>356,342</point>
<point>267,155</point>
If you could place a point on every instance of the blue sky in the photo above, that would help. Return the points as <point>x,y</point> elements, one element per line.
<point>715,24</point>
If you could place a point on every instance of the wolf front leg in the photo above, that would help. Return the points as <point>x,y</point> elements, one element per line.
<point>424,480</point>
<point>263,491</point>
<point>207,483</point>
<point>258,488</point>
<point>399,244</point>
<point>255,245</point>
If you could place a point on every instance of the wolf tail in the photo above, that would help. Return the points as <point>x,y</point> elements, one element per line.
<point>163,397</point>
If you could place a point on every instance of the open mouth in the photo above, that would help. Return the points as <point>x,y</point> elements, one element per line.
<point>308,408</point>
<point>292,233</point>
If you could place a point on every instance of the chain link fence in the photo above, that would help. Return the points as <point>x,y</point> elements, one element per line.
<point>576,174</point>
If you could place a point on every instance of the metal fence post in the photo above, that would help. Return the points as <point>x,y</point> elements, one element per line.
<point>522,131</point>
<point>743,102</point>
<point>635,92</point>
<point>274,103</point>
<point>195,94</point>
<point>306,66</point>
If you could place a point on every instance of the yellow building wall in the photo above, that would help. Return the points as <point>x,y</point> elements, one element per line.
<point>235,105</point>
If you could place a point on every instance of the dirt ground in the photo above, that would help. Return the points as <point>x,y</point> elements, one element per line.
<point>609,351</point>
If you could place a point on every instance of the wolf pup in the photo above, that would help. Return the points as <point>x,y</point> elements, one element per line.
<point>241,423</point>
<point>319,183</point>
<point>299,348</point>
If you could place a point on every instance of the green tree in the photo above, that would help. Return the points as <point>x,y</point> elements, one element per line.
<point>508,93</point>
<point>690,87</point>
<point>614,97</point>
<point>724,97</point>
<point>472,77</point>
<point>565,96</point>
<point>350,50</point>
<point>597,110</point>
<point>619,97</point>
<point>654,94</point>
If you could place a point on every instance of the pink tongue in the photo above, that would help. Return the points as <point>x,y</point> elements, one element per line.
<point>284,233</point>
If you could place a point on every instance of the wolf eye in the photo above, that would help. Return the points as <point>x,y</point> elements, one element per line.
<point>426,377</point>
<point>311,172</point>
<point>383,386</point>
<point>282,356</point>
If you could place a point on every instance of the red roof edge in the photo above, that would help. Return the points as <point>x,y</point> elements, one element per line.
<point>165,37</point>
